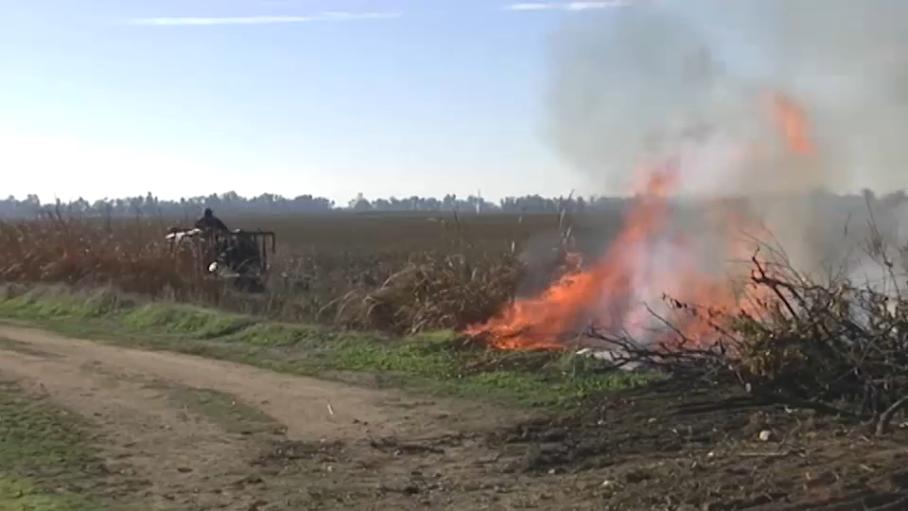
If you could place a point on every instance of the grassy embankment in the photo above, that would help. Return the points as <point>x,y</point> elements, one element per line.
<point>436,362</point>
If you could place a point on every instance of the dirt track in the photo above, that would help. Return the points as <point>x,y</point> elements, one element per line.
<point>321,445</point>
<point>179,432</point>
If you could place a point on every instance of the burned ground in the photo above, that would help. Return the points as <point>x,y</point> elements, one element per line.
<point>717,448</point>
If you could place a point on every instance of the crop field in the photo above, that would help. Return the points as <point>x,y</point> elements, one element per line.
<point>448,270</point>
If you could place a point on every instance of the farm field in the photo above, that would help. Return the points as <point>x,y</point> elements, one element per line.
<point>186,395</point>
<point>449,270</point>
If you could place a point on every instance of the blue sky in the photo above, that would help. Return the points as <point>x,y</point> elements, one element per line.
<point>329,97</point>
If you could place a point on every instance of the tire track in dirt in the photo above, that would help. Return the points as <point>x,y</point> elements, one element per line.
<point>300,403</point>
<point>340,447</point>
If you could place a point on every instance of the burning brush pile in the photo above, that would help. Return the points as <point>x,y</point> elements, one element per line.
<point>699,286</point>
<point>655,301</point>
<point>839,343</point>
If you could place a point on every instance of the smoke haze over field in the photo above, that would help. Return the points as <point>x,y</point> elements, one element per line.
<point>693,78</point>
<point>704,83</point>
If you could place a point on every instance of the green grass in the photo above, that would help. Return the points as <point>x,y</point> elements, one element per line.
<point>45,461</point>
<point>437,362</point>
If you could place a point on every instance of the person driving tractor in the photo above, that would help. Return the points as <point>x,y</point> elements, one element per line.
<point>238,256</point>
<point>209,222</point>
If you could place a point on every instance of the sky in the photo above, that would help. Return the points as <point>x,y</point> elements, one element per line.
<point>106,98</point>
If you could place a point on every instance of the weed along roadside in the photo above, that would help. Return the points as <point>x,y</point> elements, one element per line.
<point>434,362</point>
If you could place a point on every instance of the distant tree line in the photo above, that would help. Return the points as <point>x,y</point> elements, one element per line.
<point>231,203</point>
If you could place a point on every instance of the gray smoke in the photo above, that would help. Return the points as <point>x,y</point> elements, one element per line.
<point>665,75</point>
<point>692,80</point>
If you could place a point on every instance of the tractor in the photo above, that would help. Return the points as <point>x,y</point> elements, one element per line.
<point>239,257</point>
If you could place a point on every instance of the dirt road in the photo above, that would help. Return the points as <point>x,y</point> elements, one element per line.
<point>207,434</point>
<point>177,432</point>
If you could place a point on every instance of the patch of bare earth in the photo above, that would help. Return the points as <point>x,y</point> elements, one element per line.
<point>712,449</point>
<point>207,434</point>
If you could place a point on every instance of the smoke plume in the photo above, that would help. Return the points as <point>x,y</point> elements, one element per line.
<point>704,82</point>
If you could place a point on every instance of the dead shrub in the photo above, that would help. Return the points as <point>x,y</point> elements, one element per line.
<point>433,291</point>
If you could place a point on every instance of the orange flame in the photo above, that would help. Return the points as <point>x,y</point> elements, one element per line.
<point>616,292</point>
<point>537,323</point>
<point>793,123</point>
<point>647,261</point>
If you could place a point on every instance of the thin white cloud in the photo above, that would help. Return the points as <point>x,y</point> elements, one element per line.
<point>261,20</point>
<point>531,6</point>
<point>564,6</point>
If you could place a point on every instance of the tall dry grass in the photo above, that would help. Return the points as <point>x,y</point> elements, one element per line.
<point>383,288</point>
<point>131,255</point>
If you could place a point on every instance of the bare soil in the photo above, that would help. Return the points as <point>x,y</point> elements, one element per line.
<point>205,434</point>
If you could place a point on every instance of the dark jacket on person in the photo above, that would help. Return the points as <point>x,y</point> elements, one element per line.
<point>209,222</point>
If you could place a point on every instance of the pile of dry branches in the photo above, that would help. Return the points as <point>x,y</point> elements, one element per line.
<point>838,345</point>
